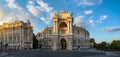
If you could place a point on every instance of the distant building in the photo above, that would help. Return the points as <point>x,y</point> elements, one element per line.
<point>16,35</point>
<point>63,34</point>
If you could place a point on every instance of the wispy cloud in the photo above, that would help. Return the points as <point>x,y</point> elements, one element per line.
<point>111,29</point>
<point>87,12</point>
<point>88,2</point>
<point>12,4</point>
<point>42,10</point>
<point>79,21</point>
<point>34,9</point>
<point>13,11</point>
<point>103,17</point>
<point>93,22</point>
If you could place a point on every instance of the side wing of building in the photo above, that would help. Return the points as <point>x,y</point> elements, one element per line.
<point>16,35</point>
<point>81,37</point>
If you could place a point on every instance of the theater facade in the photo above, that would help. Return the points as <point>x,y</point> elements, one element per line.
<point>16,35</point>
<point>63,34</point>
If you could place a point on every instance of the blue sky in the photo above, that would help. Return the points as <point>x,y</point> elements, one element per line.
<point>99,17</point>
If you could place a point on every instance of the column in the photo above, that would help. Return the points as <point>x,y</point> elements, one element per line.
<point>69,27</point>
<point>54,47</point>
<point>0,36</point>
<point>8,38</point>
<point>23,38</point>
<point>69,44</point>
<point>4,38</point>
<point>20,39</point>
<point>12,37</point>
<point>56,27</point>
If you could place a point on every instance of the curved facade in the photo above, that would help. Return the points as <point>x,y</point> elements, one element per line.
<point>63,34</point>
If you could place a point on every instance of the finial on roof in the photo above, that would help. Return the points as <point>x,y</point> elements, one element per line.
<point>62,10</point>
<point>28,21</point>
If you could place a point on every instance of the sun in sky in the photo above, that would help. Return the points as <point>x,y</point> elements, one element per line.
<point>100,17</point>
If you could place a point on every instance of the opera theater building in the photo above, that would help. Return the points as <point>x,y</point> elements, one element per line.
<point>63,34</point>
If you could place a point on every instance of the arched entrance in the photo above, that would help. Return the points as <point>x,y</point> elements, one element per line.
<point>63,44</point>
<point>63,28</point>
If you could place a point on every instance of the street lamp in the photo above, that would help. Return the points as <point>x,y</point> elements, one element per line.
<point>47,38</point>
<point>1,46</point>
<point>58,36</point>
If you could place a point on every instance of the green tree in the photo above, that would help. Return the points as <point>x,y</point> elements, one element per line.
<point>104,45</point>
<point>115,45</point>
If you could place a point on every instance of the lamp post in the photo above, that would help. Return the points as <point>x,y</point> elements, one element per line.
<point>1,46</point>
<point>47,37</point>
<point>58,36</point>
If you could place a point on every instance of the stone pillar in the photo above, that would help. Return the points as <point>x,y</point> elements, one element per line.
<point>69,27</point>
<point>69,47</point>
<point>31,38</point>
<point>8,38</point>
<point>56,27</point>
<point>54,45</point>
<point>12,37</point>
<point>20,38</point>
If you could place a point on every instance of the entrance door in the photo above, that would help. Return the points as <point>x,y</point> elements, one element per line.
<point>63,44</point>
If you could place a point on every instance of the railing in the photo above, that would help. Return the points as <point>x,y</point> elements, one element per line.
<point>62,34</point>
